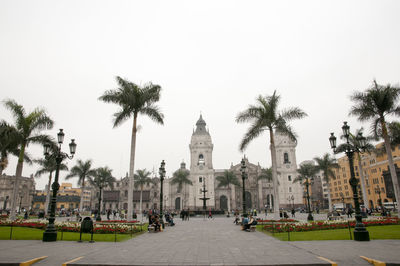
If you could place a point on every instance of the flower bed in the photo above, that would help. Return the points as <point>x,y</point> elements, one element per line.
<point>279,227</point>
<point>68,226</point>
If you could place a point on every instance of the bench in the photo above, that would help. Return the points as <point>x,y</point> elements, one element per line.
<point>253,228</point>
<point>151,228</point>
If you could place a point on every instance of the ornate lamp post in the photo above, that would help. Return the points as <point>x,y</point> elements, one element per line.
<point>360,232</point>
<point>309,217</point>
<point>378,191</point>
<point>20,201</point>
<point>342,198</point>
<point>244,176</point>
<point>292,198</point>
<point>51,233</point>
<point>162,175</point>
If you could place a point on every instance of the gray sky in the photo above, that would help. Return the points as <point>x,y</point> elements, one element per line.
<point>212,57</point>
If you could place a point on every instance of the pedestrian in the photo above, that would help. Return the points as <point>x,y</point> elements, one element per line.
<point>209,214</point>
<point>293,213</point>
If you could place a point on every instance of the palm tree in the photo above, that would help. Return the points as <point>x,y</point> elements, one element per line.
<point>83,170</point>
<point>48,166</point>
<point>306,172</point>
<point>355,144</point>
<point>376,103</point>
<point>8,144</point>
<point>180,177</point>
<point>265,116</point>
<point>134,100</point>
<point>226,180</point>
<point>27,131</point>
<point>102,178</point>
<point>326,164</point>
<point>141,178</point>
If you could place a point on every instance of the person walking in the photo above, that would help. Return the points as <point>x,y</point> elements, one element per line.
<point>210,214</point>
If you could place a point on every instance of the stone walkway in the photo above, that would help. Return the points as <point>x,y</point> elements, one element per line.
<point>201,242</point>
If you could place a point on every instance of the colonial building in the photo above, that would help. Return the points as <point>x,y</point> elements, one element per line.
<point>26,192</point>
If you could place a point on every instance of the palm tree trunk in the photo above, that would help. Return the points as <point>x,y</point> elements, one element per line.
<point>82,193</point>
<point>140,204</point>
<point>229,200</point>
<point>363,188</point>
<point>132,168</point>
<point>329,197</point>
<point>391,164</point>
<point>274,174</point>
<point>47,202</point>
<point>18,174</point>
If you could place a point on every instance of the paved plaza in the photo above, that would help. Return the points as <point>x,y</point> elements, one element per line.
<point>201,242</point>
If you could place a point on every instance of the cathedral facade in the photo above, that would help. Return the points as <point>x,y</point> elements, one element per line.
<point>258,192</point>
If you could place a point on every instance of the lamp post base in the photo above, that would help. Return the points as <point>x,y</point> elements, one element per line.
<point>361,235</point>
<point>310,217</point>
<point>49,236</point>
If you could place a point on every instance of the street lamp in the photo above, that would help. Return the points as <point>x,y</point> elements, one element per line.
<point>244,176</point>
<point>378,191</point>
<point>309,217</point>
<point>342,197</point>
<point>162,175</point>
<point>51,233</point>
<point>292,198</point>
<point>20,201</point>
<point>360,232</point>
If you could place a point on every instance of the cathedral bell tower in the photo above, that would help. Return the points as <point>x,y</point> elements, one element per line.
<point>201,168</point>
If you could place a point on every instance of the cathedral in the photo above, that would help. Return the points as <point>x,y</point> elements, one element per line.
<point>258,192</point>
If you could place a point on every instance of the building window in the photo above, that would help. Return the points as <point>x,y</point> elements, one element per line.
<point>286,158</point>
<point>126,193</point>
<point>200,179</point>
<point>147,205</point>
<point>289,178</point>
<point>369,192</point>
<point>290,189</point>
<point>134,205</point>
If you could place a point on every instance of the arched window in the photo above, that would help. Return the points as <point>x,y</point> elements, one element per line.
<point>201,159</point>
<point>286,158</point>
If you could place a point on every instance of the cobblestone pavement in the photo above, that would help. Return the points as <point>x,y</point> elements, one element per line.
<point>201,242</point>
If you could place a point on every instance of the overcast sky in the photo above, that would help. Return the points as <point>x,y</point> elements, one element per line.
<point>213,57</point>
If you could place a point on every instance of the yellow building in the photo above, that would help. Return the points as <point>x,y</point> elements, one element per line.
<point>374,166</point>
<point>67,198</point>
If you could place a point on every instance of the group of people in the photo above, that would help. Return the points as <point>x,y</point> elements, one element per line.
<point>248,222</point>
<point>185,215</point>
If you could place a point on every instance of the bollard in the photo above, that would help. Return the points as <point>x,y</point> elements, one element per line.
<point>348,226</point>
<point>115,232</point>
<point>11,229</point>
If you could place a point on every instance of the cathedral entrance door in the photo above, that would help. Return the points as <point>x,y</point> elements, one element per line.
<point>248,200</point>
<point>223,202</point>
<point>178,203</point>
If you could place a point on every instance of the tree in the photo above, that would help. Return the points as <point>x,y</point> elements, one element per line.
<point>180,177</point>
<point>265,116</point>
<point>27,129</point>
<point>326,164</point>
<point>8,144</point>
<point>103,178</point>
<point>377,103</point>
<point>356,146</point>
<point>48,166</point>
<point>134,100</point>
<point>226,180</point>
<point>83,170</point>
<point>141,178</point>
<point>306,172</point>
